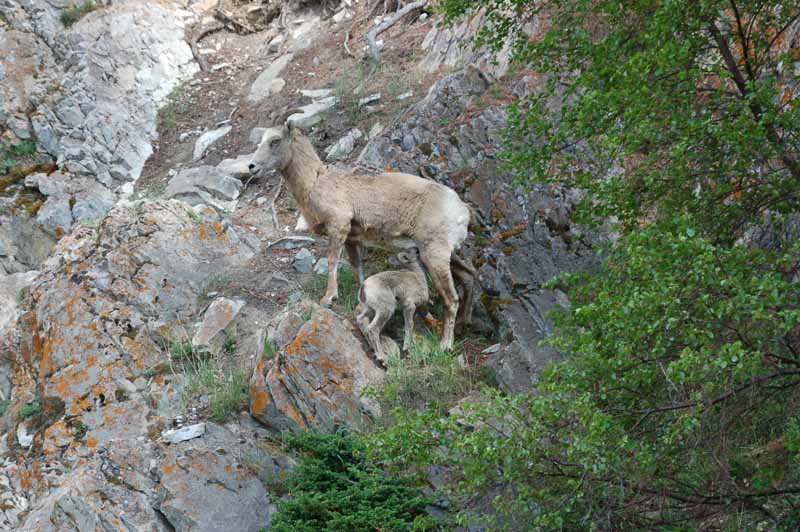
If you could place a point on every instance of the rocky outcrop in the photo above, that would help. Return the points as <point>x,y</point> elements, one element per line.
<point>525,237</point>
<point>89,94</point>
<point>92,354</point>
<point>319,376</point>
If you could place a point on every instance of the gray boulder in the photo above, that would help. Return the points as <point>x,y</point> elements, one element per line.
<point>205,185</point>
<point>269,83</point>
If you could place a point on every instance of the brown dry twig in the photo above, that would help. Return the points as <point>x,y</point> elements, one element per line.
<point>193,42</point>
<point>387,23</point>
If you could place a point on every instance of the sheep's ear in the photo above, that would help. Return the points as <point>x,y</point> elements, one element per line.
<point>404,257</point>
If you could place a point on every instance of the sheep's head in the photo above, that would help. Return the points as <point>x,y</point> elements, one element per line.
<point>274,152</point>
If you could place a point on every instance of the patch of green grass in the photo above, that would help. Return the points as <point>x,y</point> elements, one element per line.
<point>428,376</point>
<point>196,218</point>
<point>73,13</point>
<point>4,406</point>
<point>229,346</point>
<point>228,395</point>
<point>335,488</point>
<point>270,350</point>
<point>213,283</point>
<point>348,290</point>
<point>180,350</point>
<point>29,410</point>
<point>227,391</point>
<point>172,109</point>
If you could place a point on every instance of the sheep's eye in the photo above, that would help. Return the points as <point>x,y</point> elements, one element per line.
<point>275,143</point>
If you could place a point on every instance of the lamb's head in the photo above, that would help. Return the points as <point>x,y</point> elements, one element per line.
<point>410,260</point>
<point>274,152</point>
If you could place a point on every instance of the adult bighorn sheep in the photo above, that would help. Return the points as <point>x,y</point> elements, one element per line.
<point>392,209</point>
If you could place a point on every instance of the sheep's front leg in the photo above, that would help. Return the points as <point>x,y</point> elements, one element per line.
<point>356,262</point>
<point>337,239</point>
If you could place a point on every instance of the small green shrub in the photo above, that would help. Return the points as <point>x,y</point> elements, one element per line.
<point>74,12</point>
<point>24,149</point>
<point>4,406</point>
<point>29,410</point>
<point>334,488</point>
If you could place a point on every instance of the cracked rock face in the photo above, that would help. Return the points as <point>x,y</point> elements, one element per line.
<point>318,378</point>
<point>89,351</point>
<point>88,95</point>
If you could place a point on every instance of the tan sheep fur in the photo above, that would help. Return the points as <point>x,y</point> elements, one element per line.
<point>390,209</point>
<point>380,294</point>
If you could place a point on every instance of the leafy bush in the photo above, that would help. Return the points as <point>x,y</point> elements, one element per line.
<point>676,404</point>
<point>680,399</point>
<point>335,488</point>
<point>4,406</point>
<point>29,410</point>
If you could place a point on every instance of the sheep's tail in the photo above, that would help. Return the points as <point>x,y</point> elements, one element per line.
<point>464,265</point>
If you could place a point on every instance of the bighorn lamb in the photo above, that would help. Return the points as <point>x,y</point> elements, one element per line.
<point>379,296</point>
<point>394,209</point>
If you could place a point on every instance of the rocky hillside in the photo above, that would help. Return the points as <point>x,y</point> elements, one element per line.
<point>157,304</point>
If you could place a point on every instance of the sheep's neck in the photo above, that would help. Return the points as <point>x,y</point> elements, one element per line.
<point>303,169</point>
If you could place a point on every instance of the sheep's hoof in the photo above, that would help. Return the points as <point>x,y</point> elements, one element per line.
<point>327,302</point>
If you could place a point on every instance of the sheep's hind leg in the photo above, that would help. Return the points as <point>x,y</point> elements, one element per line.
<point>356,261</point>
<point>438,265</point>
<point>466,275</point>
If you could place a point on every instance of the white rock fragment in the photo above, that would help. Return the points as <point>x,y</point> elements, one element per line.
<point>316,94</point>
<point>207,139</point>
<point>375,130</point>
<point>366,100</point>
<point>344,146</point>
<point>184,433</point>
<point>24,438</point>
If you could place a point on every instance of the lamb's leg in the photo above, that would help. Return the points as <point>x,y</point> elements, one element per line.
<point>362,319</point>
<point>374,330</point>
<point>408,326</point>
<point>438,264</point>
<point>337,239</point>
<point>356,262</point>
